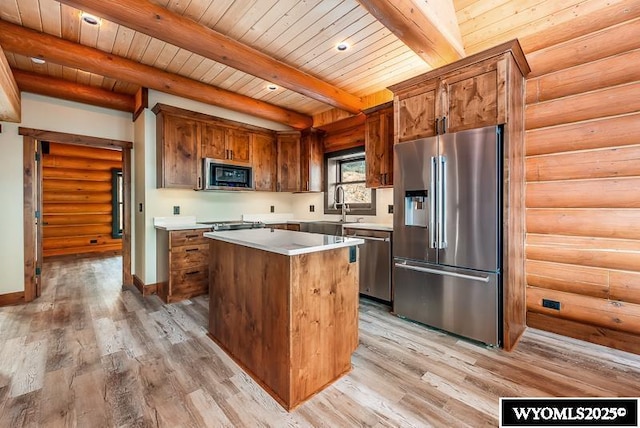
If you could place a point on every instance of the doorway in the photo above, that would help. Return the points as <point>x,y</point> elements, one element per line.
<point>33,237</point>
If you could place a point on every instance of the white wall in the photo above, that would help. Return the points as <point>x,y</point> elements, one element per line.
<point>11,230</point>
<point>49,114</point>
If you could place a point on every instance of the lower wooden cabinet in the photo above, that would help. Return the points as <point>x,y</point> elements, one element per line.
<point>183,264</point>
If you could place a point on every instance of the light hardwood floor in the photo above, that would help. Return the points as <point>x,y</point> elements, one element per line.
<point>88,354</point>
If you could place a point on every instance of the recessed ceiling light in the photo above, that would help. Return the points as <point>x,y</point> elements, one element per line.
<point>90,19</point>
<point>343,46</point>
<point>272,87</point>
<point>36,60</point>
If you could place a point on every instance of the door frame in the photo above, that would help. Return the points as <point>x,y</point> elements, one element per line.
<point>32,197</point>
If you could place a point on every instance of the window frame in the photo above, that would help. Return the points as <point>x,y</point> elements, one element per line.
<point>332,167</point>
<point>117,205</point>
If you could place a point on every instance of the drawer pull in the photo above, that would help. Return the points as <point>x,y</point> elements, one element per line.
<point>188,250</point>
<point>192,236</point>
<point>193,273</point>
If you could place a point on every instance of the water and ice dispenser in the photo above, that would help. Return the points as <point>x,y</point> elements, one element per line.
<point>416,208</point>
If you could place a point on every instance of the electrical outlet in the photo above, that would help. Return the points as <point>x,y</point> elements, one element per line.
<point>273,208</point>
<point>176,209</point>
<point>551,304</point>
<point>390,209</point>
<point>352,254</point>
<point>312,208</point>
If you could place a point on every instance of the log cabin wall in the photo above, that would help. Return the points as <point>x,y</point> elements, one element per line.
<point>583,187</point>
<point>77,196</point>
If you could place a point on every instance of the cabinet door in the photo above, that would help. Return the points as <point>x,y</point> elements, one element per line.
<point>379,148</point>
<point>239,145</point>
<point>179,152</point>
<point>289,162</point>
<point>312,158</point>
<point>417,113</point>
<point>473,99</point>
<point>264,162</point>
<point>213,141</point>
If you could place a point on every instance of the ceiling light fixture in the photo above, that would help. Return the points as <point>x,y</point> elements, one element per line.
<point>90,19</point>
<point>342,46</point>
<point>271,87</point>
<point>36,60</point>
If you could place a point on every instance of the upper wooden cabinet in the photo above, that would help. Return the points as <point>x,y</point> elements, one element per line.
<point>288,161</point>
<point>185,137</point>
<point>264,162</point>
<point>178,151</point>
<point>470,93</point>
<point>239,145</point>
<point>311,161</point>
<point>222,142</point>
<point>378,145</point>
<point>417,111</point>
<point>213,141</point>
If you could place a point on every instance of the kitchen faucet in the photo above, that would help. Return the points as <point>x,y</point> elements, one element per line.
<point>344,208</point>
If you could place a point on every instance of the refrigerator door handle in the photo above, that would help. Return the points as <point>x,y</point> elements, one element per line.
<point>442,199</point>
<point>432,203</point>
<point>404,265</point>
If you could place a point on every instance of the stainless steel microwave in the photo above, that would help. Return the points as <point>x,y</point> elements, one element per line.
<point>219,175</point>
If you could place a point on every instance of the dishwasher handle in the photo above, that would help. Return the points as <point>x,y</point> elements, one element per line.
<point>368,238</point>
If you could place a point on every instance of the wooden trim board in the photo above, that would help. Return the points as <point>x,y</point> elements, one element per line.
<point>10,299</point>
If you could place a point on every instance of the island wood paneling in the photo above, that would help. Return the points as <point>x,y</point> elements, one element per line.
<point>290,321</point>
<point>583,187</point>
<point>77,194</point>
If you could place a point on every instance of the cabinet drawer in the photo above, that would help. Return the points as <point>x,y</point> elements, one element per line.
<point>187,283</point>
<point>189,256</point>
<point>188,237</point>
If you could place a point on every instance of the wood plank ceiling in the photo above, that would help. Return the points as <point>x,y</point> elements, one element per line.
<point>302,34</point>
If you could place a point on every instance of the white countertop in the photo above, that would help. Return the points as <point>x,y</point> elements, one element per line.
<point>178,223</point>
<point>286,242</point>
<point>369,226</point>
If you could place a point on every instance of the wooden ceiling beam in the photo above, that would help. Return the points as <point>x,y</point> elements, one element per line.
<point>10,107</point>
<point>155,21</point>
<point>430,30</point>
<point>15,38</point>
<point>64,89</point>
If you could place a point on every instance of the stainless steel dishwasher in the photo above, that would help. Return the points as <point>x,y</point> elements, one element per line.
<point>375,262</point>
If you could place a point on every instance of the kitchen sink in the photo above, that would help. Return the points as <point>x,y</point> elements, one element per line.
<point>325,227</point>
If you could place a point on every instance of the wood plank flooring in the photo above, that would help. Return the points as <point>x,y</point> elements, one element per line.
<point>89,354</point>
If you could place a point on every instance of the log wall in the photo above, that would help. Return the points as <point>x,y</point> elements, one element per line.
<point>77,195</point>
<point>583,186</point>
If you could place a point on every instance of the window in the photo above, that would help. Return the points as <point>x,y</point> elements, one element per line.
<point>117,203</point>
<point>345,183</point>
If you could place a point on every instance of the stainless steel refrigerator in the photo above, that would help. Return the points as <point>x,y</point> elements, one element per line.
<point>447,232</point>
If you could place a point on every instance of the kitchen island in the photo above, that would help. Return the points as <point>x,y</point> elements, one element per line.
<point>284,306</point>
